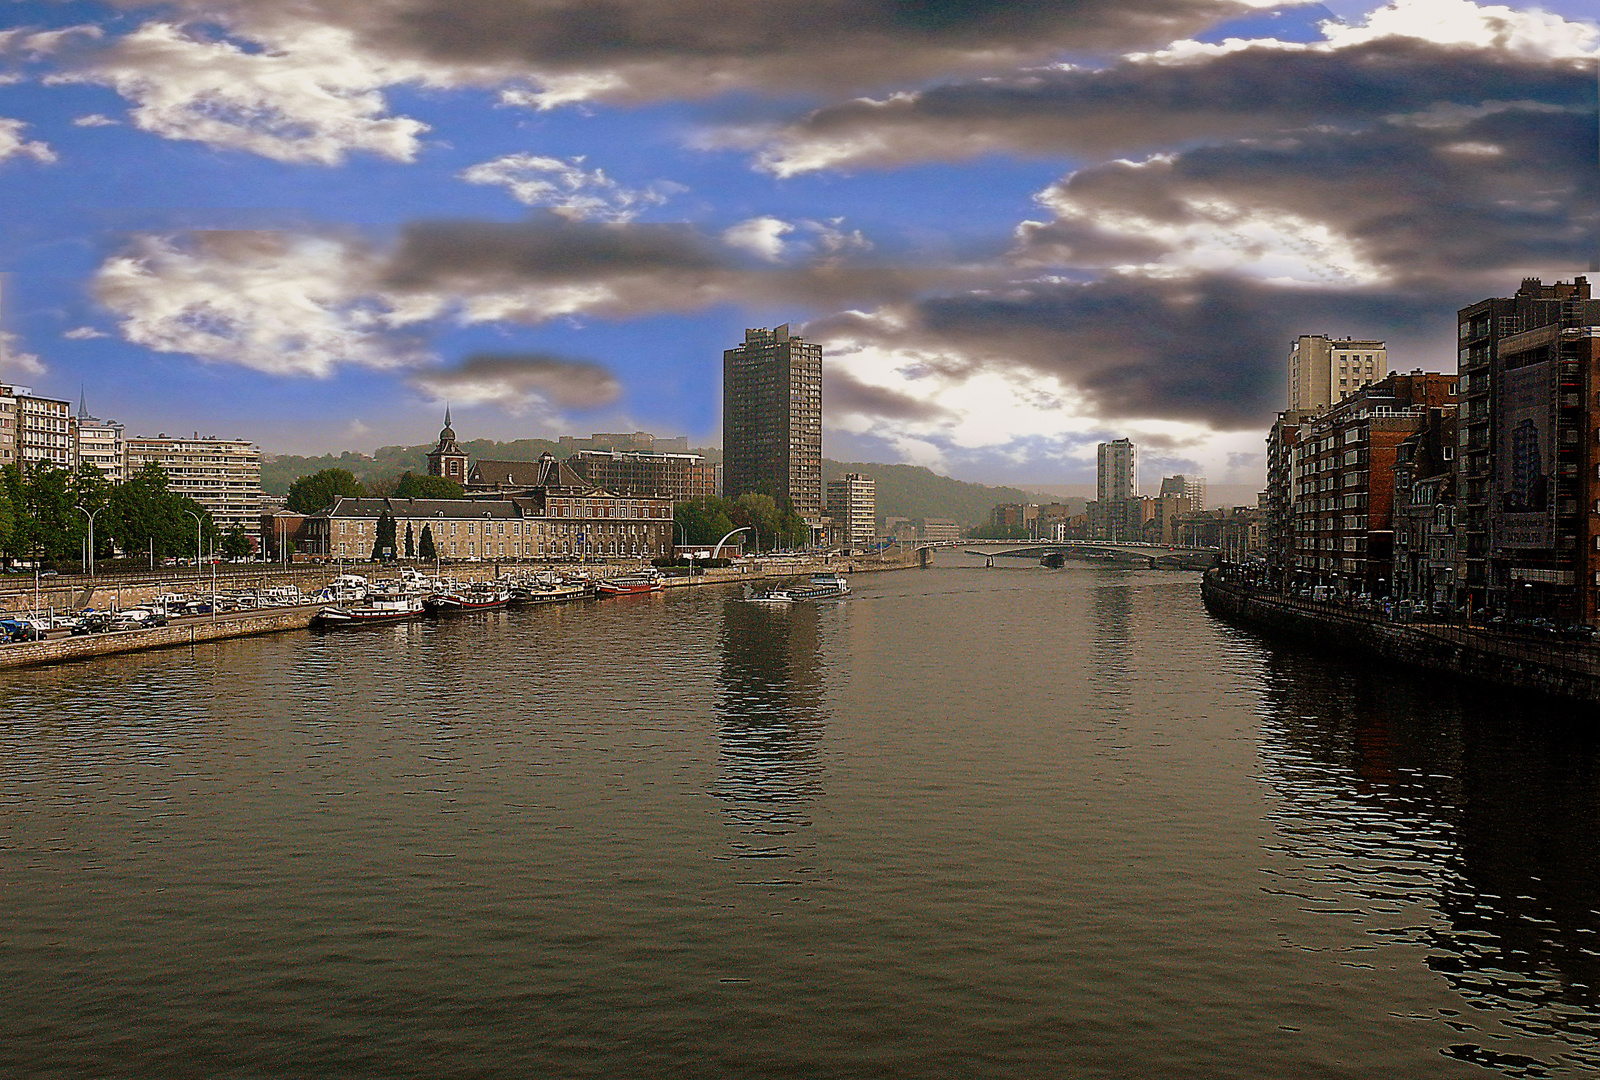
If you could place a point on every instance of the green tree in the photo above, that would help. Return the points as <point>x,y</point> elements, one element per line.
<point>8,519</point>
<point>320,490</point>
<point>412,486</point>
<point>704,521</point>
<point>235,544</point>
<point>411,542</point>
<point>145,516</point>
<point>425,548</point>
<point>58,529</point>
<point>383,544</point>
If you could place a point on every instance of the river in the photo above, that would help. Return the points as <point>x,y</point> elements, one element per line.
<point>969,822</point>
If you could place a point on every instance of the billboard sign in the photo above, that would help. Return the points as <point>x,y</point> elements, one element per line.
<point>1523,511</point>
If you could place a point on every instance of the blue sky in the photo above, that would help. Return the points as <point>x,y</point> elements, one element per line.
<point>1017,229</point>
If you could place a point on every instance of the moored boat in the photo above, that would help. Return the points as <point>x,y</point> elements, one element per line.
<point>629,585</point>
<point>818,587</point>
<point>374,608</point>
<point>480,597</point>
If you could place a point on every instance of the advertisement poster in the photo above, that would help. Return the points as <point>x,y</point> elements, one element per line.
<point>1524,484</point>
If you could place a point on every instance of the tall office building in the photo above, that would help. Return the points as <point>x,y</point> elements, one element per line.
<point>1324,371</point>
<point>1118,472</point>
<point>772,419</point>
<point>1192,488</point>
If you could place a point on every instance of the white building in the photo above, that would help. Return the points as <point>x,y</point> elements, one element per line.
<point>100,443</point>
<point>1324,371</point>
<point>853,505</point>
<point>222,475</point>
<point>34,429</point>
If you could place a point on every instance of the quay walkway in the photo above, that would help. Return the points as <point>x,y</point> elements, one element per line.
<point>1510,659</point>
<point>72,594</point>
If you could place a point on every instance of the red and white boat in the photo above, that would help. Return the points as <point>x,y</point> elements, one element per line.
<point>480,597</point>
<point>630,585</point>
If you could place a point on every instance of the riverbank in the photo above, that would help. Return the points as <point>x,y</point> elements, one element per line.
<point>78,595</point>
<point>1559,669</point>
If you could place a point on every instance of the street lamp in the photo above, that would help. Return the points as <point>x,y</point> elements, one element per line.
<point>89,562</point>
<point>197,523</point>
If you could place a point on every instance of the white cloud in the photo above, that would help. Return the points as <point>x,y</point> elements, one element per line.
<point>94,120</point>
<point>1531,33</point>
<point>12,144</point>
<point>761,236</point>
<point>84,333</point>
<point>355,429</point>
<point>308,96</point>
<point>286,305</point>
<point>13,359</point>
<point>521,384</point>
<point>566,188</point>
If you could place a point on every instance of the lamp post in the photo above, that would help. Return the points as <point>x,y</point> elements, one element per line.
<point>89,561</point>
<point>197,524</point>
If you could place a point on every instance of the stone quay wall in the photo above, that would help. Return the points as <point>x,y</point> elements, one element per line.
<point>187,632</point>
<point>1510,660</point>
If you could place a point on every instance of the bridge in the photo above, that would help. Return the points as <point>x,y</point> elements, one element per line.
<point>1111,552</point>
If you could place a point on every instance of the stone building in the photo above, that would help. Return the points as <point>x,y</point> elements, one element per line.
<point>448,459</point>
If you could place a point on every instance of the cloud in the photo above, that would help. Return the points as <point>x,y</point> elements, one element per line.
<point>565,188</point>
<point>307,94</point>
<point>1199,351</point>
<point>14,359</point>
<point>84,333</point>
<point>94,120</point>
<point>12,143</point>
<point>1504,191</point>
<point>275,302</point>
<point>848,394</point>
<point>761,235</point>
<point>559,51</point>
<point>1201,92</point>
<point>307,304</point>
<point>355,429</point>
<point>521,383</point>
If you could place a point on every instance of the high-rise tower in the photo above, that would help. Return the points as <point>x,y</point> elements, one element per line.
<point>772,419</point>
<point>1324,371</point>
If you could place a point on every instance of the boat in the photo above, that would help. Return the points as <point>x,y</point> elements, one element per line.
<point>629,585</point>
<point>385,607</point>
<point>818,587</point>
<point>480,596</point>
<point>544,593</point>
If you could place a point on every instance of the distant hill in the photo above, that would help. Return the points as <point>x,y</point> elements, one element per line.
<point>910,491</point>
<point>916,492</point>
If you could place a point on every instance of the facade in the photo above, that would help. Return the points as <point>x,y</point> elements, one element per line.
<point>1324,371</point>
<point>641,442</point>
<point>1523,465</point>
<point>772,420</point>
<point>1117,471</point>
<point>1277,501</point>
<point>101,443</point>
<point>940,529</point>
<point>853,506</point>
<point>448,459</point>
<point>222,475</point>
<point>1192,488</point>
<point>1342,470</point>
<point>682,477</point>
<point>35,429</point>
<point>551,521</point>
<point>1424,515</point>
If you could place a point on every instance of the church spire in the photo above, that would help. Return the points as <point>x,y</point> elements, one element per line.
<point>83,403</point>
<point>447,415</point>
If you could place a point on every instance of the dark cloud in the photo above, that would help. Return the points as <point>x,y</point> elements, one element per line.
<point>847,394</point>
<point>1511,189</point>
<point>533,268</point>
<point>515,381</point>
<point>645,48</point>
<point>1145,104</point>
<point>1209,350</point>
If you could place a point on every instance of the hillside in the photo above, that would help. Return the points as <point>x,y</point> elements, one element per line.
<point>903,490</point>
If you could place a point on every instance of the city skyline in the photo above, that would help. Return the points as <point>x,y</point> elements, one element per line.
<point>313,231</point>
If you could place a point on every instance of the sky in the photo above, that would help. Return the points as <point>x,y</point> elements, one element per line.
<point>1017,229</point>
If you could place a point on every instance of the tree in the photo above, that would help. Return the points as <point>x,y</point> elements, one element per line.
<point>412,486</point>
<point>320,490</point>
<point>146,516</point>
<point>425,548</point>
<point>411,543</point>
<point>704,521</point>
<point>383,545</point>
<point>235,544</point>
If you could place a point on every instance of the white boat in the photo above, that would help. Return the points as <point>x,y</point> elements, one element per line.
<point>818,587</point>
<point>375,608</point>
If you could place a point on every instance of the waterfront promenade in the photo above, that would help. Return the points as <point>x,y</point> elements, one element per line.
<point>75,593</point>
<point>1514,659</point>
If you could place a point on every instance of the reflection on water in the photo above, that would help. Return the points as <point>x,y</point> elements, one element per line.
<point>1112,640</point>
<point>1463,821</point>
<point>770,720</point>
